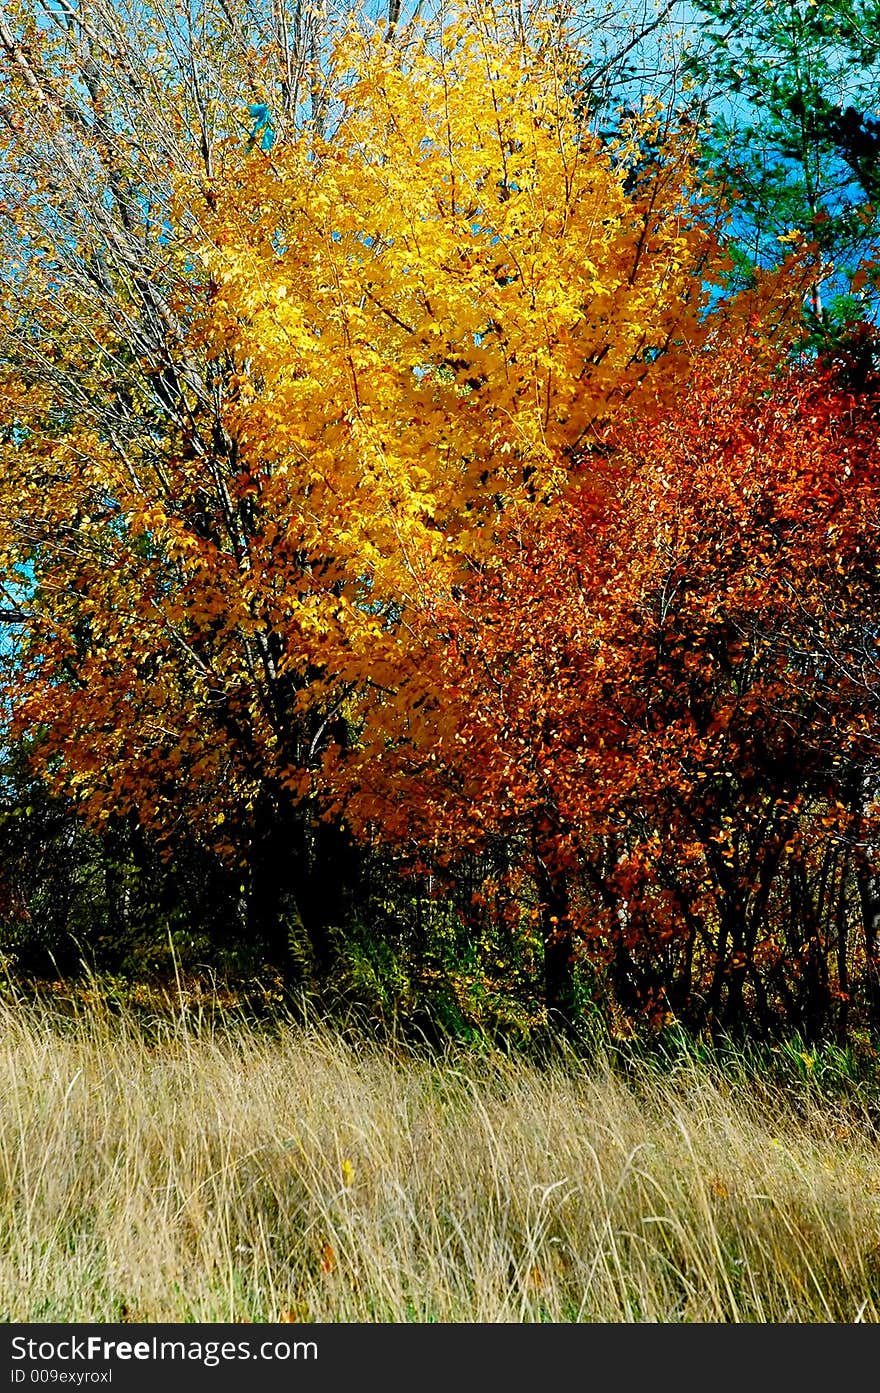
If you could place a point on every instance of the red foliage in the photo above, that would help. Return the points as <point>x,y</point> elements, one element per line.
<point>665,690</point>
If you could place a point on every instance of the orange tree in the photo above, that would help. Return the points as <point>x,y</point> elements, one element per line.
<point>356,360</point>
<point>663,691</point>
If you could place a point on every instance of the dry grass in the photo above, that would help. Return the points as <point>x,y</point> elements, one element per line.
<point>224,1173</point>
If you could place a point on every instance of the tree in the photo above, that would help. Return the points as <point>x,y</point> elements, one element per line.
<point>663,693</point>
<point>791,93</point>
<point>276,396</point>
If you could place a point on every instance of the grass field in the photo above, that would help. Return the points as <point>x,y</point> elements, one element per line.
<point>209,1169</point>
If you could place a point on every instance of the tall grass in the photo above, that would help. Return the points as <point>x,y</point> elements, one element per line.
<point>217,1171</point>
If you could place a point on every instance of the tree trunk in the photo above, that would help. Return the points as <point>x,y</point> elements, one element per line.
<point>556,932</point>
<point>303,877</point>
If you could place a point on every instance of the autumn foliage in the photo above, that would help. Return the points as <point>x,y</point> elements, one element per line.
<point>663,692</point>
<point>443,503</point>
